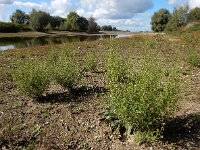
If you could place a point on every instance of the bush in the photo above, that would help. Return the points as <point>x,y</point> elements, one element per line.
<point>194,59</point>
<point>90,63</point>
<point>116,69</point>
<point>66,69</point>
<point>142,100</point>
<point>32,78</point>
<point>9,27</point>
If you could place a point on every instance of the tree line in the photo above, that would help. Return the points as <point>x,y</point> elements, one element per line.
<point>43,21</point>
<point>163,20</point>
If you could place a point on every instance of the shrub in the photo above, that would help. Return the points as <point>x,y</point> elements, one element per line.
<point>66,70</point>
<point>194,59</point>
<point>9,27</point>
<point>141,99</point>
<point>116,69</point>
<point>32,78</point>
<point>90,63</point>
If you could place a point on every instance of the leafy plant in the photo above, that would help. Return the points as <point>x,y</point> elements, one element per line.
<point>141,99</point>
<point>90,62</point>
<point>116,69</point>
<point>194,59</point>
<point>66,69</point>
<point>32,78</point>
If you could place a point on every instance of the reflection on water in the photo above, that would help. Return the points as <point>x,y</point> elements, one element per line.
<point>21,42</point>
<point>7,47</point>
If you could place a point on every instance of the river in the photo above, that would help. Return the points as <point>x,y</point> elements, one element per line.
<point>22,42</point>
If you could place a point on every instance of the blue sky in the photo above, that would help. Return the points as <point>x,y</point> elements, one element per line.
<point>134,15</point>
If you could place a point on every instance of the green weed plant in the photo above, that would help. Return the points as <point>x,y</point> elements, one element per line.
<point>90,62</point>
<point>65,69</point>
<point>194,59</point>
<point>142,99</point>
<point>32,78</point>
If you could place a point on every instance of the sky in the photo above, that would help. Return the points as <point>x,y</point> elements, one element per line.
<point>133,15</point>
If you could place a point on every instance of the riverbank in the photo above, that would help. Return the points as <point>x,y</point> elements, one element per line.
<point>58,33</point>
<point>64,120</point>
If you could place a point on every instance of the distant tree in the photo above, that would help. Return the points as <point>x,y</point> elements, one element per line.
<point>76,23</point>
<point>104,28</point>
<point>114,29</point>
<point>9,27</point>
<point>92,26</point>
<point>194,14</point>
<point>98,28</point>
<point>160,19</point>
<point>72,19</point>
<point>19,17</point>
<point>56,21</point>
<point>179,18</point>
<point>39,20</point>
<point>63,26</point>
<point>48,27</point>
<point>82,24</point>
<point>109,28</point>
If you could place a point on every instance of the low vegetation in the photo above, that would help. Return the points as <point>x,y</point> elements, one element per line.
<point>11,27</point>
<point>32,78</point>
<point>142,99</point>
<point>194,59</point>
<point>104,94</point>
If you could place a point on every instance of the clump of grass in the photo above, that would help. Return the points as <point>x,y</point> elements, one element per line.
<point>90,62</point>
<point>65,68</point>
<point>67,72</point>
<point>141,99</point>
<point>194,59</point>
<point>116,69</point>
<point>32,78</point>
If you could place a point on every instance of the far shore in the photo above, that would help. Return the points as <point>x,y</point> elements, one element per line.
<point>58,33</point>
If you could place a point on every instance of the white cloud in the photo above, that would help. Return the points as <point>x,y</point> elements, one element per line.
<point>41,5</point>
<point>177,3</point>
<point>116,9</point>
<point>62,7</point>
<point>56,7</point>
<point>194,3</point>
<point>140,22</point>
<point>6,1</point>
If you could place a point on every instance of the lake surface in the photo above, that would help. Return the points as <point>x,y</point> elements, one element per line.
<point>22,42</point>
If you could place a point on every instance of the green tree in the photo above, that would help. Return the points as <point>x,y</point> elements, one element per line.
<point>39,20</point>
<point>19,17</point>
<point>114,29</point>
<point>194,14</point>
<point>82,24</point>
<point>76,22</point>
<point>56,21</point>
<point>160,19</point>
<point>178,19</point>
<point>92,26</point>
<point>72,19</point>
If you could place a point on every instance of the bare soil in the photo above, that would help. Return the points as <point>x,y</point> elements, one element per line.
<point>74,120</point>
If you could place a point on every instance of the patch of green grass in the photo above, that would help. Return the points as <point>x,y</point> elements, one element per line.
<point>90,62</point>
<point>194,59</point>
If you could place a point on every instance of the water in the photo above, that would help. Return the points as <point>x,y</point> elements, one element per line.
<point>22,42</point>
